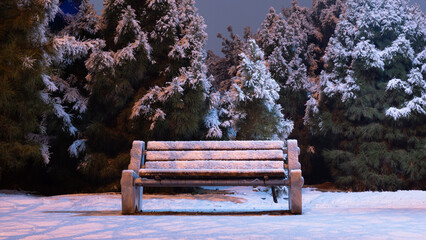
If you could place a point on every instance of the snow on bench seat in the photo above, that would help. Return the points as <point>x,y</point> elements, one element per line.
<point>214,145</point>
<point>213,164</point>
<point>212,173</point>
<point>215,155</point>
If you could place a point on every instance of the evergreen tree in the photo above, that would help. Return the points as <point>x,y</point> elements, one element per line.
<point>223,70</point>
<point>24,50</point>
<point>248,109</point>
<point>73,45</point>
<point>116,71</point>
<point>285,38</point>
<point>324,17</point>
<point>176,103</point>
<point>232,47</point>
<point>254,95</point>
<point>373,110</point>
<point>285,42</point>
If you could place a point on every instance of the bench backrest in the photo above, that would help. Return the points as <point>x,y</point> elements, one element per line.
<point>175,153</point>
<point>214,155</point>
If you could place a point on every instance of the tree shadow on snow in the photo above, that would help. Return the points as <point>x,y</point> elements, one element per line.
<point>177,213</point>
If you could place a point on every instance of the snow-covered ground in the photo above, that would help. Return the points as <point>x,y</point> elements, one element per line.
<point>230,213</point>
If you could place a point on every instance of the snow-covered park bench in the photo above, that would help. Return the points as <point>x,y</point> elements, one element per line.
<point>211,163</point>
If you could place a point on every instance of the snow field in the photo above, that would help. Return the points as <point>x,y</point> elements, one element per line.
<point>235,215</point>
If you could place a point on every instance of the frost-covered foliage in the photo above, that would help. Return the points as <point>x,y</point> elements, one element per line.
<point>286,39</point>
<point>289,39</point>
<point>186,69</point>
<point>25,47</point>
<point>250,106</point>
<point>77,147</point>
<point>373,108</point>
<point>65,91</point>
<point>114,69</point>
<point>110,77</point>
<point>85,24</point>
<point>40,39</point>
<point>39,31</point>
<point>68,49</point>
<point>284,42</point>
<point>357,44</point>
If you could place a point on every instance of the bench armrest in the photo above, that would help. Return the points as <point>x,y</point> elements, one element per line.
<point>293,152</point>
<point>137,157</point>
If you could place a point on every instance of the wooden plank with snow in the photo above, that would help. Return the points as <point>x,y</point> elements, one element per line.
<point>215,145</point>
<point>215,155</point>
<point>214,164</point>
<point>211,163</point>
<point>212,173</point>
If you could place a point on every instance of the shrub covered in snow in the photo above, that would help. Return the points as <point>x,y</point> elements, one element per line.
<point>374,105</point>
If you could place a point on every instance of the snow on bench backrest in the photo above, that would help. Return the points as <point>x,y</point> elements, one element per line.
<point>237,155</point>
<point>214,145</point>
<point>248,165</point>
<point>215,155</point>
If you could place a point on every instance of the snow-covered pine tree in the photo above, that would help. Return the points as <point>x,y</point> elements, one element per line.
<point>232,47</point>
<point>223,70</point>
<point>325,16</point>
<point>84,24</point>
<point>373,112</point>
<point>116,71</point>
<point>250,105</point>
<point>285,39</point>
<point>73,45</point>
<point>175,103</point>
<point>297,35</point>
<point>24,51</point>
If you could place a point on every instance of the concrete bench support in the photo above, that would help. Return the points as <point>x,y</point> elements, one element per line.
<point>296,179</point>
<point>131,194</point>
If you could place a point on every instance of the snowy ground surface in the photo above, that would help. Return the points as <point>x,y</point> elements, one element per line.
<point>227,213</point>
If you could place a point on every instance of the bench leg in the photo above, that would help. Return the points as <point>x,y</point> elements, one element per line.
<point>139,195</point>
<point>295,199</point>
<point>131,195</point>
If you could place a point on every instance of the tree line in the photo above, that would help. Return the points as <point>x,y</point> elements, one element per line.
<point>345,78</point>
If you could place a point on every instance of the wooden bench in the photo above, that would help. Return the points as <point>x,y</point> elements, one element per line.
<point>211,163</point>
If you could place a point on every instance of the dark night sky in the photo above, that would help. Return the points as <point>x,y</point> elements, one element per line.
<point>219,14</point>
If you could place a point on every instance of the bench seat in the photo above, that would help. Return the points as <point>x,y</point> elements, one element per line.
<point>212,173</point>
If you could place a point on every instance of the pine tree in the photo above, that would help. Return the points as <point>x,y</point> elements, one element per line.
<point>373,110</point>
<point>224,70</point>
<point>254,96</point>
<point>176,102</point>
<point>248,109</point>
<point>72,46</point>
<point>285,38</point>
<point>24,50</point>
<point>115,72</point>
<point>325,16</point>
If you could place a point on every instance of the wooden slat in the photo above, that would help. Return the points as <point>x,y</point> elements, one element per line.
<point>212,164</point>
<point>215,155</point>
<point>211,173</point>
<point>210,182</point>
<point>214,145</point>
